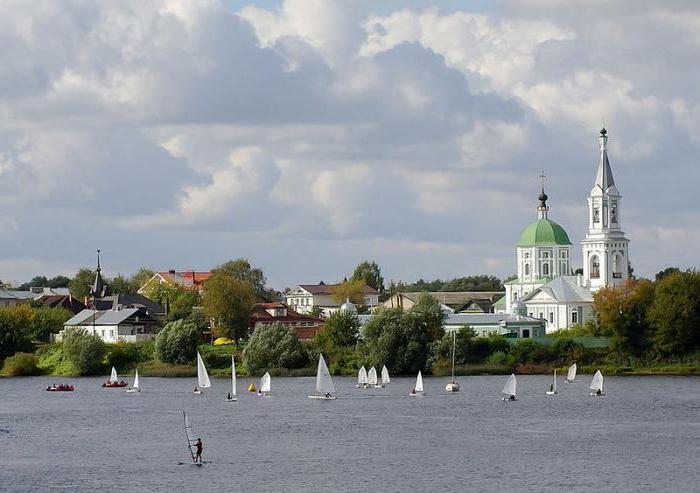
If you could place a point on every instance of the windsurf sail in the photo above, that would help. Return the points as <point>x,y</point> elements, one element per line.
<point>188,434</point>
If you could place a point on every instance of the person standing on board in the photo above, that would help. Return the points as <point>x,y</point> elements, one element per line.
<point>198,457</point>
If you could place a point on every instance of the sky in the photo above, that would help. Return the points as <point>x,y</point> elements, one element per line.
<point>308,136</point>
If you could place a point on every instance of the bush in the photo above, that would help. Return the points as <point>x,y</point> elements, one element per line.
<point>125,355</point>
<point>273,346</point>
<point>177,342</point>
<point>497,358</point>
<point>14,334</point>
<point>343,328</point>
<point>217,356</point>
<point>84,352</point>
<point>47,321</point>
<point>21,364</point>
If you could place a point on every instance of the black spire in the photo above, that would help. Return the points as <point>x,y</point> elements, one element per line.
<point>98,288</point>
<point>543,196</point>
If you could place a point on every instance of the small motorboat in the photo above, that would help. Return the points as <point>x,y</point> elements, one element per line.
<point>114,385</point>
<point>60,388</point>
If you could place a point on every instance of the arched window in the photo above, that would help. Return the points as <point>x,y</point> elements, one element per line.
<point>527,269</point>
<point>545,268</point>
<point>617,265</point>
<point>595,267</point>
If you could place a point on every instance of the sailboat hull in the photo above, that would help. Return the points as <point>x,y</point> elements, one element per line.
<point>452,387</point>
<point>133,391</point>
<point>593,394</point>
<point>231,400</point>
<point>417,394</point>
<point>550,392</point>
<point>322,397</point>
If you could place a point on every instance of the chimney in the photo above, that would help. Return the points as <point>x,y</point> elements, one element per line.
<point>171,271</point>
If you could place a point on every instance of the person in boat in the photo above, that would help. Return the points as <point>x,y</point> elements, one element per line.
<point>328,395</point>
<point>598,392</point>
<point>195,389</point>
<point>229,396</point>
<point>551,387</point>
<point>198,456</point>
<point>511,398</point>
<point>413,391</point>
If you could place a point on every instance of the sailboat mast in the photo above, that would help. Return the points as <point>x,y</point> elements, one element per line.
<point>454,343</point>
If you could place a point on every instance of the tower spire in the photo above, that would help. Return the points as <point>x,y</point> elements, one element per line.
<point>542,209</point>
<point>604,178</point>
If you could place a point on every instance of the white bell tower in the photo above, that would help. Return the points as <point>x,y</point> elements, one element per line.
<point>605,248</point>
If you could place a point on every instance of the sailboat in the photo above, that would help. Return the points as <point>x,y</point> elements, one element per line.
<point>571,375</point>
<point>553,388</point>
<point>418,387</point>
<point>453,386</point>
<point>190,441</point>
<point>385,377</point>
<point>361,378</point>
<point>372,377</point>
<point>232,396</point>
<point>203,381</point>
<point>509,389</point>
<point>324,383</point>
<point>113,381</point>
<point>264,389</point>
<point>135,388</point>
<point>597,384</point>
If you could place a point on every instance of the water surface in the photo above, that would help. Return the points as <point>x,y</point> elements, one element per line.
<point>643,435</point>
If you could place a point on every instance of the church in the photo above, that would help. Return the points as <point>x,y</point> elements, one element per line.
<point>546,287</point>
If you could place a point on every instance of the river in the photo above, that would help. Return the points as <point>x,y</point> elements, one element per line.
<point>644,435</point>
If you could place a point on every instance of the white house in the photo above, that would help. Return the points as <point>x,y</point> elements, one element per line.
<point>125,325</point>
<point>305,297</point>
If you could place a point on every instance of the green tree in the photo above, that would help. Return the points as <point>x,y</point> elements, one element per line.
<point>80,284</point>
<point>464,340</point>
<point>83,351</point>
<point>140,278</point>
<point>428,313</point>
<point>59,282</point>
<point>121,285</point>
<point>183,305</point>
<point>273,346</point>
<point>242,270</point>
<point>21,365</point>
<point>474,283</point>
<point>177,342</point>
<point>46,321</point>
<point>14,336</point>
<point>622,314</point>
<point>370,274</point>
<point>350,290</point>
<point>229,302</point>
<point>343,328</point>
<point>675,313</point>
<point>666,272</point>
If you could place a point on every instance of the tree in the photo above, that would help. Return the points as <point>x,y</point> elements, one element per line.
<point>46,321</point>
<point>397,339</point>
<point>183,304</point>
<point>14,336</point>
<point>229,302</point>
<point>350,290</point>
<point>622,312</point>
<point>474,283</point>
<point>84,351</point>
<point>370,274</point>
<point>242,270</point>
<point>464,340</point>
<point>177,342</point>
<point>59,282</point>
<point>343,328</point>
<point>666,272</point>
<point>140,278</point>
<point>121,284</point>
<point>428,312</point>
<point>80,284</point>
<point>675,313</point>
<point>273,346</point>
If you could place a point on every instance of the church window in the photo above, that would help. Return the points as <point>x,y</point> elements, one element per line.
<point>564,268</point>
<point>526,333</point>
<point>595,267</point>
<point>563,254</point>
<point>551,317</point>
<point>617,263</point>
<point>596,215</point>
<point>515,296</point>
<point>545,269</point>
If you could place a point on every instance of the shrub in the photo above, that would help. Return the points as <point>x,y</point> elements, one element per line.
<point>343,328</point>
<point>21,364</point>
<point>273,346</point>
<point>47,321</point>
<point>84,352</point>
<point>497,358</point>
<point>217,356</point>
<point>14,333</point>
<point>177,342</point>
<point>127,354</point>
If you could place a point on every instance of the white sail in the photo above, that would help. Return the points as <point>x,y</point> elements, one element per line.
<point>554,385</point>
<point>419,383</point>
<point>597,382</point>
<point>188,433</point>
<point>362,376</point>
<point>265,383</point>
<point>136,380</point>
<point>114,377</point>
<point>233,377</point>
<point>385,376</point>
<point>202,375</point>
<point>510,386</point>
<point>324,382</point>
<point>372,376</point>
<point>571,375</point>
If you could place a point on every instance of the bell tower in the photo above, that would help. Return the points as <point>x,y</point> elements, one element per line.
<point>605,248</point>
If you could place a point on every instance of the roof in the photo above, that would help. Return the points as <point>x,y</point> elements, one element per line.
<point>109,317</point>
<point>489,319</point>
<point>61,301</point>
<point>260,314</point>
<point>128,300</point>
<point>501,303</point>
<point>455,297</point>
<point>564,289</point>
<point>542,232</point>
<point>328,288</point>
<point>81,317</point>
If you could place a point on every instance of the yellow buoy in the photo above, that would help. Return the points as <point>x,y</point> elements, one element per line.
<point>252,388</point>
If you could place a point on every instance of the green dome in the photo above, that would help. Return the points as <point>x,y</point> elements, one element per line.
<point>543,232</point>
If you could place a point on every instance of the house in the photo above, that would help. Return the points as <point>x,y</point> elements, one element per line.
<point>277,312</point>
<point>12,298</point>
<point>305,297</point>
<point>457,301</point>
<point>190,280</point>
<point>125,325</point>
<point>61,301</point>
<point>125,300</point>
